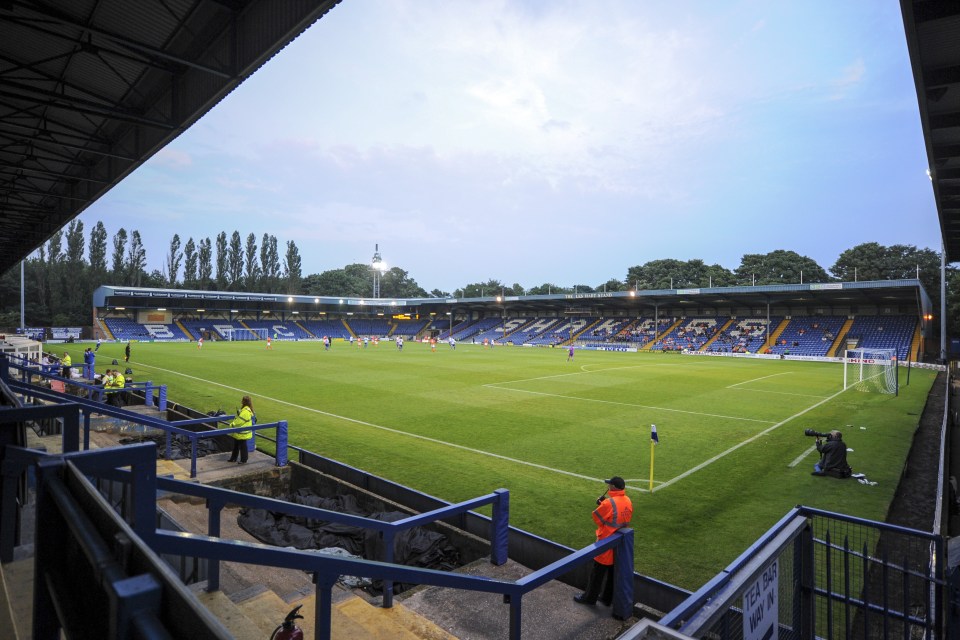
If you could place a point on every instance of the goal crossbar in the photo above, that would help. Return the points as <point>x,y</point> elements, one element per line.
<point>871,370</point>
<point>242,333</point>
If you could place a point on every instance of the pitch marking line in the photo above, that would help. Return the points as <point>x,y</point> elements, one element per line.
<point>782,393</point>
<point>773,375</point>
<point>745,442</point>
<point>381,427</point>
<point>803,455</point>
<point>622,404</point>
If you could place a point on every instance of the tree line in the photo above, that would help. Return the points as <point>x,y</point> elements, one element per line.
<point>60,277</point>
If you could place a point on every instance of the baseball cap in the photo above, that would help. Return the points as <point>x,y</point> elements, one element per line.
<point>616,482</point>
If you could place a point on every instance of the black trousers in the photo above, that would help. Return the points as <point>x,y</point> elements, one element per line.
<point>239,448</point>
<point>600,584</point>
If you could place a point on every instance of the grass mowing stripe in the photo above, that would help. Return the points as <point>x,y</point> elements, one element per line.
<point>495,385</point>
<point>745,442</point>
<point>377,426</point>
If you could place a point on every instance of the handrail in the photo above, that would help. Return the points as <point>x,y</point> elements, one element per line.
<point>327,569</point>
<point>28,370</point>
<point>217,498</point>
<point>170,428</point>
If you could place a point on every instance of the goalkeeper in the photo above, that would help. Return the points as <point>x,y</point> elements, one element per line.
<point>833,457</point>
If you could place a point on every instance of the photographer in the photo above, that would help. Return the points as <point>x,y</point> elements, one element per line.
<point>833,456</point>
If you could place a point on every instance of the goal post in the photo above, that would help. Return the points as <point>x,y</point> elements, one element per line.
<point>235,334</point>
<point>872,370</point>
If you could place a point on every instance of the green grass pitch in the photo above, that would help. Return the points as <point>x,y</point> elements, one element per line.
<point>732,457</point>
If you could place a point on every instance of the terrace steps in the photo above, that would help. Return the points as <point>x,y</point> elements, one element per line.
<point>661,334</point>
<point>916,343</point>
<point>841,338</point>
<point>726,325</point>
<point>776,332</point>
<point>186,331</point>
<point>305,330</point>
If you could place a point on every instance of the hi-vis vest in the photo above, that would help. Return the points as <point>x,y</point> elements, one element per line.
<point>613,514</point>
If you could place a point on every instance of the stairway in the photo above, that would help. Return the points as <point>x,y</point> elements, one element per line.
<point>719,333</point>
<point>660,335</point>
<point>841,339</point>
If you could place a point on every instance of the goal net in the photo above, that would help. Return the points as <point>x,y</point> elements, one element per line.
<point>871,370</point>
<point>233,334</point>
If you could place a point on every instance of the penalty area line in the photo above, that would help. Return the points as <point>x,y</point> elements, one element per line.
<point>723,454</point>
<point>381,427</point>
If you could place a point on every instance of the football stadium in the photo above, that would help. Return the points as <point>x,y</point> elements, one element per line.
<point>212,464</point>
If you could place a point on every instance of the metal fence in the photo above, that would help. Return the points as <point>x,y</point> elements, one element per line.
<point>818,574</point>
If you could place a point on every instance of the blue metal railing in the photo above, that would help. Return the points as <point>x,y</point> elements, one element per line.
<point>326,569</point>
<point>832,583</point>
<point>170,429</point>
<point>30,369</point>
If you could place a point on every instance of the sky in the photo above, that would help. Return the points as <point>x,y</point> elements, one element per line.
<point>556,142</point>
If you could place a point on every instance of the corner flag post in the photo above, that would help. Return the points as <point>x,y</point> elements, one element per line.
<point>654,439</point>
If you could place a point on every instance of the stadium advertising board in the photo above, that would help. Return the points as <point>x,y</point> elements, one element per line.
<point>65,333</point>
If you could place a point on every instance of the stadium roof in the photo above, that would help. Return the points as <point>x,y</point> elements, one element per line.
<point>90,89</point>
<point>933,38</point>
<point>894,293</point>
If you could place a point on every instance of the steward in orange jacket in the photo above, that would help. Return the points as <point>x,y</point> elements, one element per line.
<point>613,514</point>
<point>614,511</point>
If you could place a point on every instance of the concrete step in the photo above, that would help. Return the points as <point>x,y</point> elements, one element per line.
<point>17,599</point>
<point>548,613</point>
<point>231,615</point>
<point>290,584</point>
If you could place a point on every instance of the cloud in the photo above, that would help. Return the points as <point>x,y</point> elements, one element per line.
<point>173,158</point>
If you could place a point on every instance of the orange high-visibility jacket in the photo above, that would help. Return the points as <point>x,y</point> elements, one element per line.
<point>613,513</point>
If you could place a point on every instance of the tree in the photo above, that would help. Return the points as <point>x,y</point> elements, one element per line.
<point>269,263</point>
<point>98,250</point>
<point>204,264</point>
<point>235,261</point>
<point>545,289</point>
<point>252,276</point>
<point>190,264</point>
<point>483,289</point>
<point>75,243</point>
<point>291,268</point>
<point>119,246</point>
<point>873,261</point>
<point>73,291</point>
<point>779,267</point>
<point>396,283</point>
<point>222,273</point>
<point>174,257</point>
<point>611,285</point>
<point>136,260</point>
<point>658,274</point>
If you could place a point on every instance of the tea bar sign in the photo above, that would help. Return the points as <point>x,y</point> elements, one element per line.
<point>760,607</point>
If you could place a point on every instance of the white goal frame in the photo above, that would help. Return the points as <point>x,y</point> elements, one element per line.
<point>872,370</point>
<point>238,334</point>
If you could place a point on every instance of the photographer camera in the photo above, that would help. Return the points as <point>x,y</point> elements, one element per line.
<point>833,454</point>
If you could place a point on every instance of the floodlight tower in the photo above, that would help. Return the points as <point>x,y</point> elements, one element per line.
<point>377,267</point>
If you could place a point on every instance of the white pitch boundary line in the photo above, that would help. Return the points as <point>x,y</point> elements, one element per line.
<point>623,404</point>
<point>745,442</point>
<point>377,426</point>
<point>782,393</point>
<point>772,375</point>
<point>803,455</point>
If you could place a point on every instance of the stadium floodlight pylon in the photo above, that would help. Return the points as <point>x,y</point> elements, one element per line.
<point>233,334</point>
<point>872,370</point>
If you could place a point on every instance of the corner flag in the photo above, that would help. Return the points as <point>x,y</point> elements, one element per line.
<point>653,434</point>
